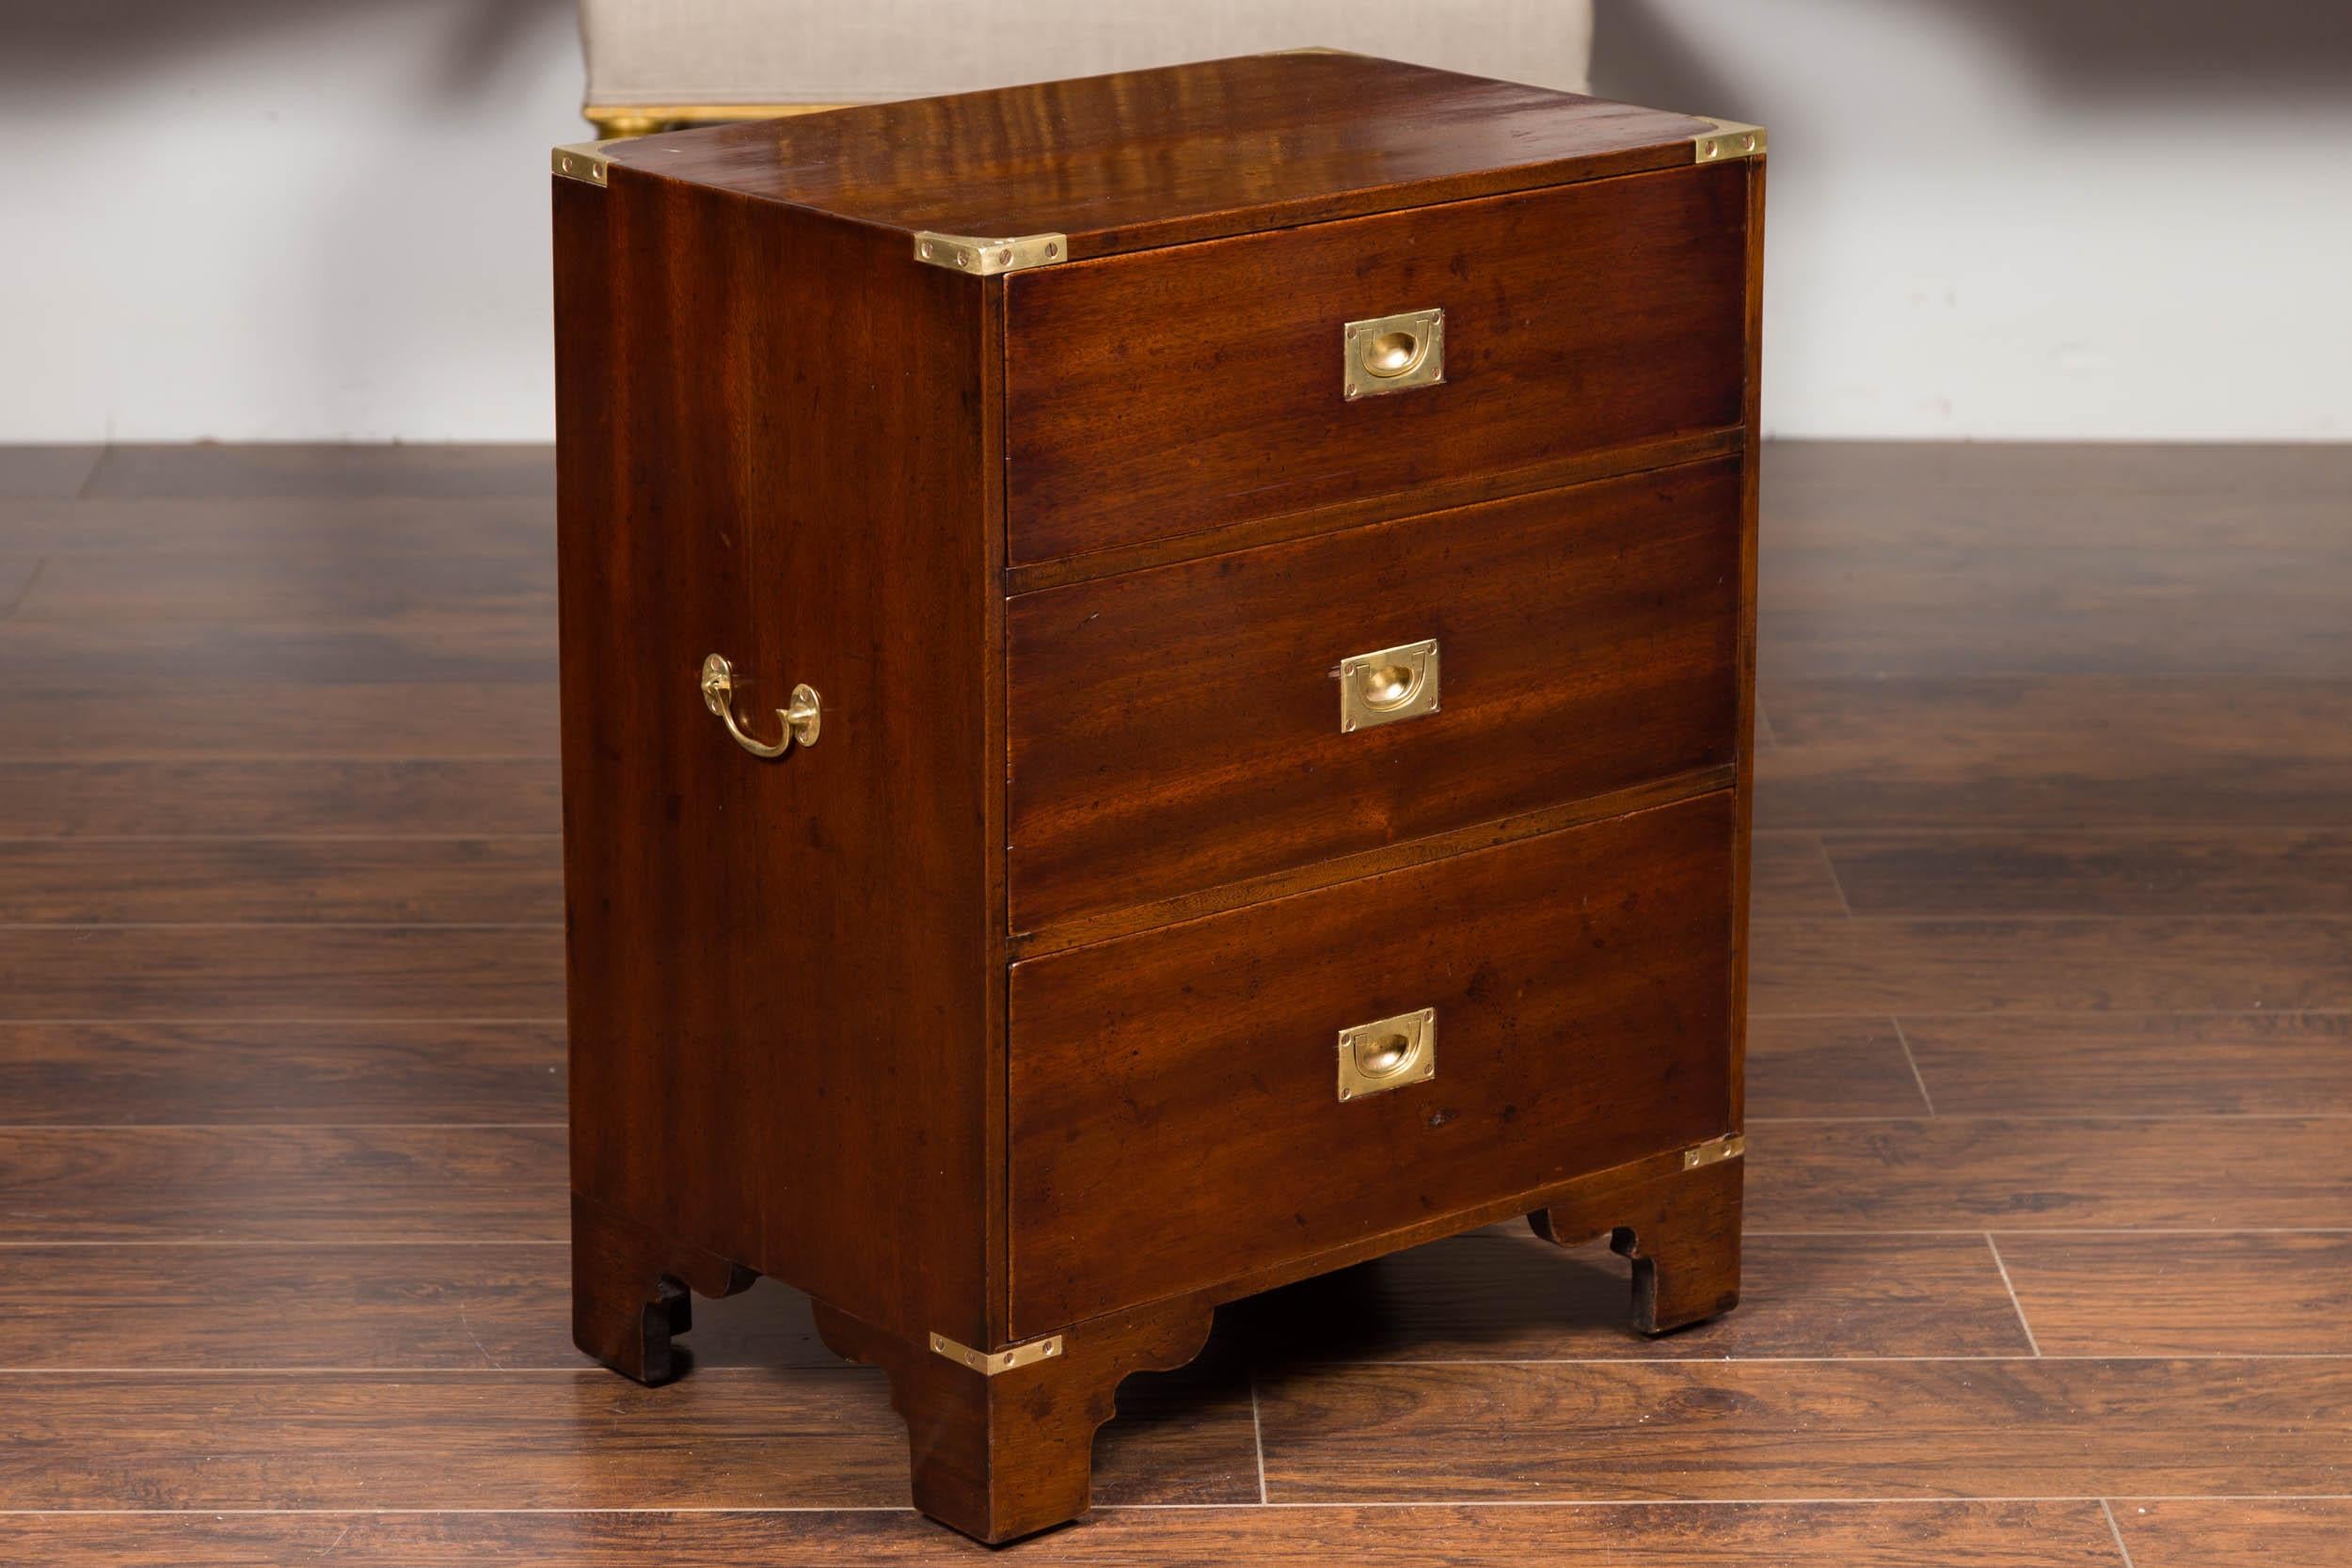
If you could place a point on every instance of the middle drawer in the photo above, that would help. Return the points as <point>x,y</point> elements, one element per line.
<point>1177,729</point>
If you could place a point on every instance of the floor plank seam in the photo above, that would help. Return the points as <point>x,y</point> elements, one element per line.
<point>2166,828</point>
<point>1257,1435</point>
<point>1636,1359</point>
<point>364,1239</point>
<point>1927,1500</point>
<point>1917,1076</point>
<point>2073,1118</point>
<point>1923,1500</point>
<point>32,580</point>
<point>1942,1015</point>
<point>2071,1230</point>
<point>446,1512</point>
<point>1820,845</point>
<point>98,461</point>
<point>2108,1509</point>
<point>2007,1284</point>
<point>1984,917</point>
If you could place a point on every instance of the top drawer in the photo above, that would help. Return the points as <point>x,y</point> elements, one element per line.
<point>1168,391</point>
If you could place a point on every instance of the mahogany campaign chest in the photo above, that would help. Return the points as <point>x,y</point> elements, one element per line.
<point>1156,699</point>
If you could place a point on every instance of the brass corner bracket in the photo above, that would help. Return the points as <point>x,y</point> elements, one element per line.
<point>989,1365</point>
<point>1729,139</point>
<point>1728,1147</point>
<point>987,258</point>
<point>583,161</point>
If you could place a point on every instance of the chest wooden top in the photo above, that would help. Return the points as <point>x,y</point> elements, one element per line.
<point>1158,157</point>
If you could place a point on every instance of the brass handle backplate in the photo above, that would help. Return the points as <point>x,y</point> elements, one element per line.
<point>800,722</point>
<point>1387,684</point>
<point>1388,1054</point>
<point>1392,354</point>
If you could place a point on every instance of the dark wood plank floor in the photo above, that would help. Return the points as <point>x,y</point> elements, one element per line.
<point>2050,1219</point>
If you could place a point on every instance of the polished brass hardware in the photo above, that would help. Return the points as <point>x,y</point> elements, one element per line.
<point>1390,683</point>
<point>1729,1148</point>
<point>581,161</point>
<point>989,1365</point>
<point>1729,139</point>
<point>624,126</point>
<point>1388,1054</point>
<point>801,721</point>
<point>987,258</point>
<point>1389,353</point>
<point>615,122</point>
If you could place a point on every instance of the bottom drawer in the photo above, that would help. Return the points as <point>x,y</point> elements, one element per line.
<point>1175,1115</point>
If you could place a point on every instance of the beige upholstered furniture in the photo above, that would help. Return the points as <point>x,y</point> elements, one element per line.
<point>658,63</point>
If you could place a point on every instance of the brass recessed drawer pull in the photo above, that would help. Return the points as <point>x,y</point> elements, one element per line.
<point>800,720</point>
<point>1392,354</point>
<point>1387,684</point>
<point>1388,1054</point>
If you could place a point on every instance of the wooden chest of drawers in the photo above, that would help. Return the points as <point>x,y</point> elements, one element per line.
<point>1156,700</point>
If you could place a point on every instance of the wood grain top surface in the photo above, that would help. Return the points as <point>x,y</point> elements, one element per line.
<point>1147,158</point>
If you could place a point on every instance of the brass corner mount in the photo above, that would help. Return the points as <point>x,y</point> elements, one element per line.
<point>583,160</point>
<point>1729,139</point>
<point>986,258</point>
<point>1730,1147</point>
<point>990,1363</point>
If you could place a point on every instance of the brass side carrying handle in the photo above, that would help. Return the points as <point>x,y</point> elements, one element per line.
<point>800,722</point>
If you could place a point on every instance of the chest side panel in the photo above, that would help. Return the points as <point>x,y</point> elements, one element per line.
<point>785,985</point>
<point>1178,391</point>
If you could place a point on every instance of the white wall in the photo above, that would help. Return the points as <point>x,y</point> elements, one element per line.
<point>279,219</point>
<point>2035,218</point>
<point>289,220</point>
